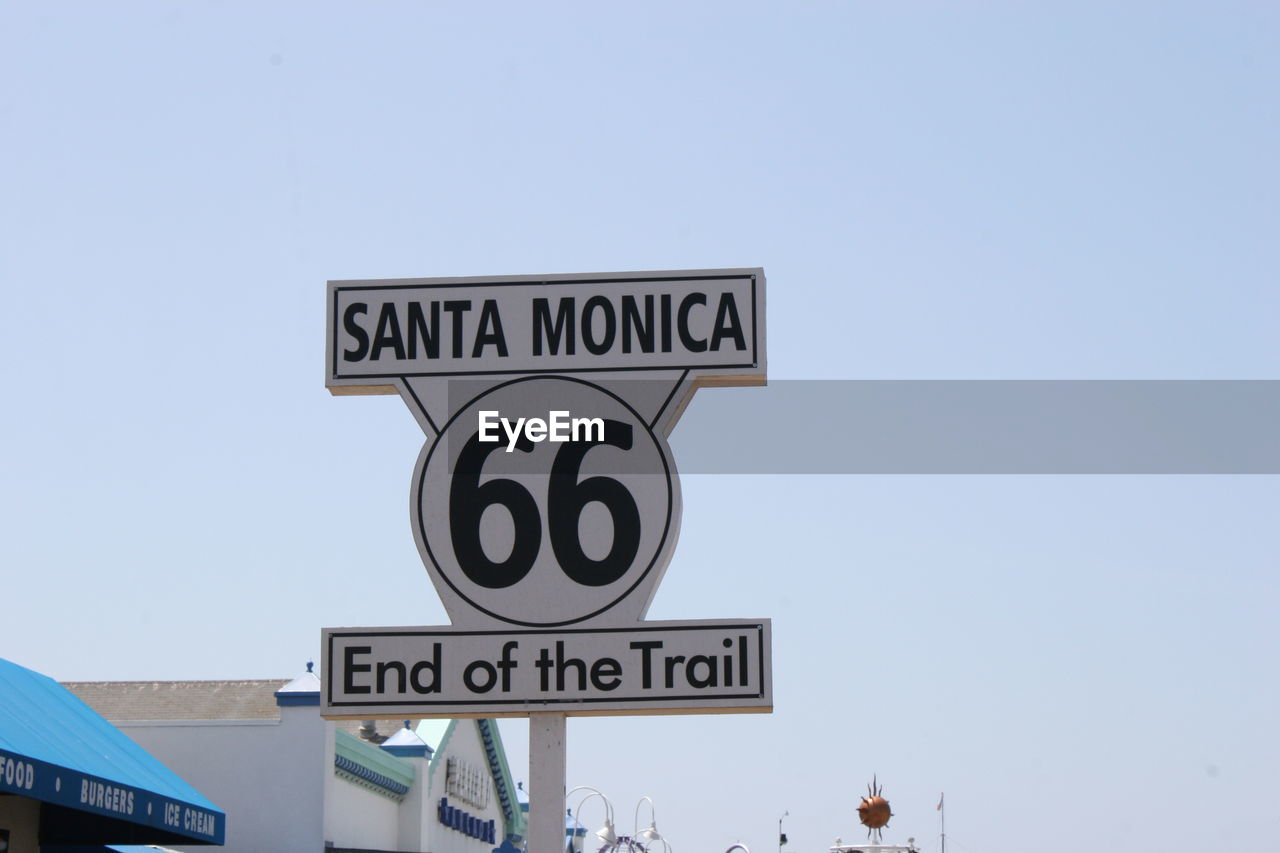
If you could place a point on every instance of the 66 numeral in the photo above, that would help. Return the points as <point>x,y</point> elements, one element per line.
<point>566,499</point>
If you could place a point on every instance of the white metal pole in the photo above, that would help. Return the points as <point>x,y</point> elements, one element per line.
<point>942,816</point>
<point>546,783</point>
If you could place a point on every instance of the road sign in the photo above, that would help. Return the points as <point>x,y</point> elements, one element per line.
<point>716,666</point>
<point>710,322</point>
<point>545,502</point>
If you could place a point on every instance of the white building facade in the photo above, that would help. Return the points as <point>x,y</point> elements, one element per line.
<point>292,782</point>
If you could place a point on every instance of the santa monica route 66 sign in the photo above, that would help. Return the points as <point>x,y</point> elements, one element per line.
<point>545,502</point>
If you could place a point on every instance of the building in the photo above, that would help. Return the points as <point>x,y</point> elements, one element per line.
<point>69,779</point>
<point>292,782</point>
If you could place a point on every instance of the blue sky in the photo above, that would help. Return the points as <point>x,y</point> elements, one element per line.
<point>935,191</point>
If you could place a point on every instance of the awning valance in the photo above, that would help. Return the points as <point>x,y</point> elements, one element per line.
<point>99,786</point>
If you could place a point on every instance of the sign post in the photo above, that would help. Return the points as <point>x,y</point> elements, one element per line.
<point>548,759</point>
<point>545,502</point>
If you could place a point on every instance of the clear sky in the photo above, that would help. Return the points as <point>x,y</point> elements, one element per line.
<point>935,190</point>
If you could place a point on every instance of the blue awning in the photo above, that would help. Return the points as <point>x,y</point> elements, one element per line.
<point>99,786</point>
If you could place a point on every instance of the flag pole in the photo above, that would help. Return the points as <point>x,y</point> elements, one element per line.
<point>942,817</point>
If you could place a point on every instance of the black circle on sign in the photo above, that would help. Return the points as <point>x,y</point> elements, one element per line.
<point>422,533</point>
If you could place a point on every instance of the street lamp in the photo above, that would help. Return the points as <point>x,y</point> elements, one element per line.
<point>642,840</point>
<point>782,838</point>
<point>606,833</point>
<point>651,834</point>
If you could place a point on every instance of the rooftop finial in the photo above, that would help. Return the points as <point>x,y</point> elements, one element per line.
<point>406,724</point>
<point>310,664</point>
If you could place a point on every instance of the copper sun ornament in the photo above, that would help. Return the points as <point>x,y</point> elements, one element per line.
<point>873,811</point>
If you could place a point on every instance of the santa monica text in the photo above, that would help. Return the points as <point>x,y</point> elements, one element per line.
<point>558,426</point>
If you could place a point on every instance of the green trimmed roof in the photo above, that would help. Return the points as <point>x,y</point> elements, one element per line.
<point>372,764</point>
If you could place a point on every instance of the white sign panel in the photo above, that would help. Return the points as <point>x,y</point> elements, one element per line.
<point>706,321</point>
<point>715,666</point>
